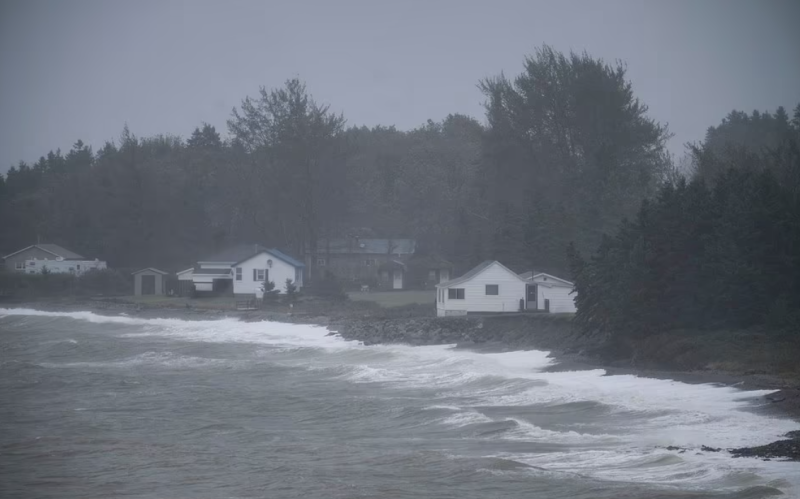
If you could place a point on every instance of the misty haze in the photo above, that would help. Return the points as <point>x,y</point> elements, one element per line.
<point>442,249</point>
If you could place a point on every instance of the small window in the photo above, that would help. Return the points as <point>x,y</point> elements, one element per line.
<point>259,274</point>
<point>238,273</point>
<point>431,275</point>
<point>31,264</point>
<point>321,262</point>
<point>492,289</point>
<point>79,266</point>
<point>369,262</point>
<point>455,293</point>
<point>19,266</point>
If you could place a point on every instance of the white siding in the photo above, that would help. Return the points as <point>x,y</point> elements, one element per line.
<point>510,290</point>
<point>278,273</point>
<point>186,275</point>
<point>77,267</point>
<point>561,301</point>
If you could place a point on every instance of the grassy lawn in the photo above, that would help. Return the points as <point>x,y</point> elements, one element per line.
<point>396,298</point>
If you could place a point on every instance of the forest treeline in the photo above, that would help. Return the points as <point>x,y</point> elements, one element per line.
<point>718,250</point>
<point>566,153</point>
<point>567,150</point>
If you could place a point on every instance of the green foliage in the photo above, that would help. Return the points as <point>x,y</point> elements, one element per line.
<point>105,282</point>
<point>329,287</point>
<point>569,152</point>
<point>291,291</point>
<point>270,293</point>
<point>699,257</point>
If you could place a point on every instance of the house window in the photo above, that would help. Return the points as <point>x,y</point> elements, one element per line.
<point>492,289</point>
<point>238,273</point>
<point>19,266</point>
<point>455,293</point>
<point>431,275</point>
<point>31,263</point>
<point>79,266</point>
<point>260,274</point>
<point>369,262</point>
<point>321,262</point>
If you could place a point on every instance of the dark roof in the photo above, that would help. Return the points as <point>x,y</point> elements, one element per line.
<point>286,258</point>
<point>212,271</point>
<point>52,248</point>
<point>235,253</point>
<point>391,265</point>
<point>150,269</point>
<point>472,273</point>
<point>367,246</point>
<point>431,262</point>
<point>527,275</point>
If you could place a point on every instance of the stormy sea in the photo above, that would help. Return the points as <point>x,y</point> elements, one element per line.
<point>99,407</point>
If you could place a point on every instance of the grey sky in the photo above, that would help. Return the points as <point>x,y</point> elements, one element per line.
<point>81,69</point>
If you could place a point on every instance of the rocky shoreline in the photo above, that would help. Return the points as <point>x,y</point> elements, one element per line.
<point>496,334</point>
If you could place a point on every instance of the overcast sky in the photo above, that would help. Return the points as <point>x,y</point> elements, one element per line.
<point>81,69</point>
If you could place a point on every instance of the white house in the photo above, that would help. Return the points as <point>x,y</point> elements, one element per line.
<point>267,265</point>
<point>56,259</point>
<point>489,287</point>
<point>243,269</point>
<point>548,292</point>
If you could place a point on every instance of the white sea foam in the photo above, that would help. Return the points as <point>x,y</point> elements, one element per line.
<point>666,412</point>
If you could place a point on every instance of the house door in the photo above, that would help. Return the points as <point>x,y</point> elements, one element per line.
<point>398,279</point>
<point>148,284</point>
<point>531,298</point>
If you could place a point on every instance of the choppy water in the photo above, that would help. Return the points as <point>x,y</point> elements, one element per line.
<point>99,407</point>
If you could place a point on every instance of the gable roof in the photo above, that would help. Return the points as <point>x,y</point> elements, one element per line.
<point>53,249</point>
<point>475,271</point>
<point>235,254</point>
<point>150,269</point>
<point>190,269</point>
<point>557,280</point>
<point>366,246</point>
<point>211,272</point>
<point>280,255</point>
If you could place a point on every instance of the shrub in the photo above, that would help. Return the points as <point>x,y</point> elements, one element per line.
<point>329,287</point>
<point>291,291</point>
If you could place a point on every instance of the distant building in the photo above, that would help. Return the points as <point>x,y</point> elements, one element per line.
<point>381,262</point>
<point>149,281</point>
<point>242,269</point>
<point>34,259</point>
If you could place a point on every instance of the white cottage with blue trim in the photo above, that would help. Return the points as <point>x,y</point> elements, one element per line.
<point>241,270</point>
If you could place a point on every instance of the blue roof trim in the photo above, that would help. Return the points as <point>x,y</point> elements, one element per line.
<point>286,258</point>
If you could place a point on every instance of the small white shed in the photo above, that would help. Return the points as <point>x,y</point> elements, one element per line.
<point>489,287</point>
<point>548,292</point>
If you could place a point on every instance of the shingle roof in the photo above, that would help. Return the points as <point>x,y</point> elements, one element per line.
<point>286,258</point>
<point>235,253</point>
<point>62,252</point>
<point>212,271</point>
<point>150,269</point>
<point>367,246</point>
<point>475,271</point>
<point>52,248</point>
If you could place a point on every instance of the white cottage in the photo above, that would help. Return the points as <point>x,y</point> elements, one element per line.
<point>489,287</point>
<point>548,292</point>
<point>242,269</point>
<point>268,265</point>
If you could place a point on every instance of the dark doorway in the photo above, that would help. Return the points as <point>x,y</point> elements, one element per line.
<point>148,284</point>
<point>532,292</point>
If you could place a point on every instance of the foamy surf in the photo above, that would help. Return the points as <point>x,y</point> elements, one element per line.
<point>611,428</point>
